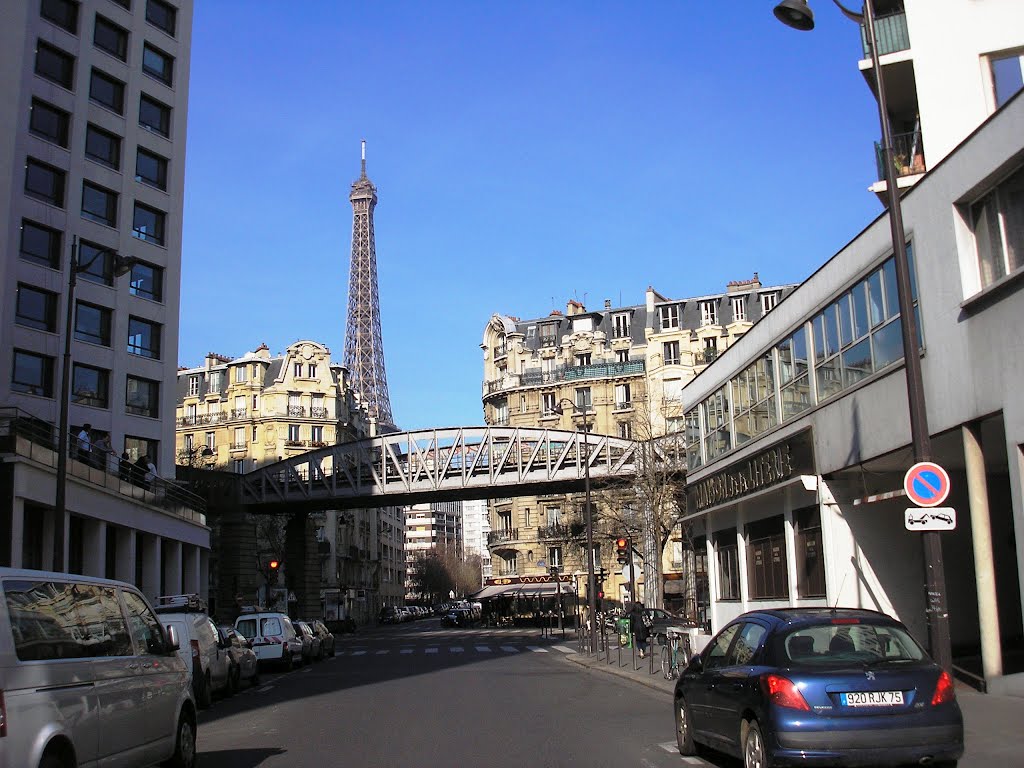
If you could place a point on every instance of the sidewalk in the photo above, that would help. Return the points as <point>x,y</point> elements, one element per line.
<point>993,735</point>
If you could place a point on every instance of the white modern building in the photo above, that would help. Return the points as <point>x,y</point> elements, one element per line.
<point>92,148</point>
<point>476,525</point>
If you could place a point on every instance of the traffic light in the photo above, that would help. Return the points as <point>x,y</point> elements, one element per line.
<point>622,550</point>
<point>274,564</point>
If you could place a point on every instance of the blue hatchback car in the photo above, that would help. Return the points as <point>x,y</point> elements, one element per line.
<point>818,686</point>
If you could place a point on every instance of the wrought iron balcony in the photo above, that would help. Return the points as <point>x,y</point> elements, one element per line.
<point>907,155</point>
<point>238,446</point>
<point>200,419</point>
<point>538,377</point>
<point>239,413</point>
<point>318,413</point>
<point>500,537</point>
<point>555,531</point>
<point>891,32</point>
<point>296,410</point>
<point>707,355</point>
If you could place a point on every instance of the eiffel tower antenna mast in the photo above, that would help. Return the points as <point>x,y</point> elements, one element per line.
<point>364,348</point>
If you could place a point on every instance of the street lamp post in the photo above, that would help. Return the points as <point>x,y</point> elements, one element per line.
<point>797,14</point>
<point>589,520</point>
<point>122,264</point>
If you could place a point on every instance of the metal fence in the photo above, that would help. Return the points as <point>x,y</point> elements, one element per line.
<point>621,650</point>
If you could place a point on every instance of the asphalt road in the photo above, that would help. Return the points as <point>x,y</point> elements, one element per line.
<point>418,694</point>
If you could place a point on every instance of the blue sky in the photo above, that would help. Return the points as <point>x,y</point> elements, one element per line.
<point>524,154</point>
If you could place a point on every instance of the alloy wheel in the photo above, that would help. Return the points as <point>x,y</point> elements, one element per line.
<point>753,748</point>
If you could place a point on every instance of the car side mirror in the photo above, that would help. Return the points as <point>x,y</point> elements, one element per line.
<point>171,635</point>
<point>696,664</point>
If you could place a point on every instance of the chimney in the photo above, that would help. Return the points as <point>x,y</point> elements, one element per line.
<point>574,307</point>
<point>607,303</point>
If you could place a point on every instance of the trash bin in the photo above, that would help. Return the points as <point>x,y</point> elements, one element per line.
<point>622,628</point>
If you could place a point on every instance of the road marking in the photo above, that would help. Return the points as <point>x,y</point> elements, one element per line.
<point>510,649</point>
<point>482,649</point>
<point>431,650</point>
<point>564,649</point>
<point>382,652</point>
<point>536,649</point>
<point>359,653</point>
<point>407,650</point>
<point>456,649</point>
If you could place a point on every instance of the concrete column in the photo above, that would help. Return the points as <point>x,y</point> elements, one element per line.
<point>190,569</point>
<point>740,517</point>
<point>172,567</point>
<point>150,557</point>
<point>791,564</point>
<point>94,547</point>
<point>17,532</point>
<point>984,565</point>
<point>712,578</point>
<point>124,564</point>
<point>49,535</point>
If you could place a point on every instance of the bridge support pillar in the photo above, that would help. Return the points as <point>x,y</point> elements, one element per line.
<point>302,566</point>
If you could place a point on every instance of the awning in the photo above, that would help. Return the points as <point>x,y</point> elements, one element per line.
<point>487,592</point>
<point>544,589</point>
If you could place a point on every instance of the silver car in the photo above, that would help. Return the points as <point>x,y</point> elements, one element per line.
<point>89,676</point>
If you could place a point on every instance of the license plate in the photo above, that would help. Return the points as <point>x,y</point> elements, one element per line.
<point>872,699</point>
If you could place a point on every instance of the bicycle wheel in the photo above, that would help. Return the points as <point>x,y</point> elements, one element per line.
<point>666,663</point>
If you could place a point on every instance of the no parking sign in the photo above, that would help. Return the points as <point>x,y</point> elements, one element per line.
<point>926,484</point>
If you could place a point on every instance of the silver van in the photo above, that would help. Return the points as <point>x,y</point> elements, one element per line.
<point>88,676</point>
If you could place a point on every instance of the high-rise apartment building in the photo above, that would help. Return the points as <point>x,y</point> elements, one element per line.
<point>475,527</point>
<point>434,526</point>
<point>92,145</point>
<point>623,370</point>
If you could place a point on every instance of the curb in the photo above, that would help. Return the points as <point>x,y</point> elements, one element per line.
<point>655,682</point>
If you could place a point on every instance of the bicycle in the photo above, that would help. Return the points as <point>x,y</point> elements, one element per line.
<point>676,654</point>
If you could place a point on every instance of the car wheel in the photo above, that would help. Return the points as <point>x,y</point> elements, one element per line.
<point>684,729</point>
<point>53,759</point>
<point>753,747</point>
<point>184,746</point>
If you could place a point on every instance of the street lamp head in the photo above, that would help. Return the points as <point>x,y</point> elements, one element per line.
<point>796,14</point>
<point>123,264</point>
<point>557,407</point>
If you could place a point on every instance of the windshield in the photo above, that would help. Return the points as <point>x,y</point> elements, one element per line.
<point>834,645</point>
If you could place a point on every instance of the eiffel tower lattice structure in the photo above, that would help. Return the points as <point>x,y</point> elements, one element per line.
<point>364,348</point>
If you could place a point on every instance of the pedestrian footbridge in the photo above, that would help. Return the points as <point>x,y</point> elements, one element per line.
<point>441,464</point>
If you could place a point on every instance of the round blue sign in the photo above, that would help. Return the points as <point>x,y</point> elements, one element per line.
<point>926,484</point>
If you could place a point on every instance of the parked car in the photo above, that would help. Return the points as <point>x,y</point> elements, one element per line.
<point>661,620</point>
<point>273,637</point>
<point>818,686</point>
<point>389,614</point>
<point>310,642</point>
<point>457,617</point>
<point>326,636</point>
<point>87,668</point>
<point>244,664</point>
<point>200,645</point>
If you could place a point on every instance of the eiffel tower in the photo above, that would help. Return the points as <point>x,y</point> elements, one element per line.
<point>364,349</point>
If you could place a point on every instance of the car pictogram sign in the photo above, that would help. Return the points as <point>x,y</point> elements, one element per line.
<point>926,484</point>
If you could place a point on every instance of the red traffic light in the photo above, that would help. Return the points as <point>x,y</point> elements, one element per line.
<point>274,564</point>
<point>621,543</point>
<point>622,550</point>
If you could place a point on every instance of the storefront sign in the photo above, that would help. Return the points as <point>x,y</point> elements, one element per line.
<point>501,580</point>
<point>777,464</point>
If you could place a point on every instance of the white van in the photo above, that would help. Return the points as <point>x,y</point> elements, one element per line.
<point>200,645</point>
<point>273,636</point>
<point>88,676</point>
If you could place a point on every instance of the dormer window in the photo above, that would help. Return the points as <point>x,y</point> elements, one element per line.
<point>739,308</point>
<point>582,324</point>
<point>620,325</point>
<point>193,386</point>
<point>547,335</point>
<point>709,313</point>
<point>583,359</point>
<point>669,317</point>
<point>768,302</point>
<point>241,374</point>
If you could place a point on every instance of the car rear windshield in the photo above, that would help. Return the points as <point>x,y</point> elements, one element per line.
<point>843,642</point>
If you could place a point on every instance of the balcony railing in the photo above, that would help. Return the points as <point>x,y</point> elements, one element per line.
<point>537,377</point>
<point>305,444</point>
<point>707,355</point>
<point>238,446</point>
<point>907,155</point>
<point>201,419</point>
<point>296,410</point>
<point>318,413</point>
<point>239,413</point>
<point>891,32</point>
<point>558,531</point>
<point>500,537</point>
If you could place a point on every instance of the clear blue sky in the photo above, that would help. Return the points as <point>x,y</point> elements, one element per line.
<point>524,153</point>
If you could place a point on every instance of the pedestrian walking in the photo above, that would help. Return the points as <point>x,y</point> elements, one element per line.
<point>638,628</point>
<point>85,443</point>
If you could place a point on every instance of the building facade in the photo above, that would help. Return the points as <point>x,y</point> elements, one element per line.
<point>622,371</point>
<point>433,526</point>
<point>93,148</point>
<point>475,527</point>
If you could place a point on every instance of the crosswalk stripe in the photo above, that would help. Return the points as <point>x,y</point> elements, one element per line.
<point>456,649</point>
<point>537,649</point>
<point>510,649</point>
<point>482,649</point>
<point>564,649</point>
<point>407,650</point>
<point>431,650</point>
<point>358,653</point>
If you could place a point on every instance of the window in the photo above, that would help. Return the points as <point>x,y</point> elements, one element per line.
<point>768,302</point>
<point>293,433</point>
<point>670,351</point>
<point>669,315</point>
<point>1007,76</point>
<point>97,263</point>
<point>241,373</point>
<point>239,439</point>
<point>754,401</point>
<point>214,381</point>
<point>694,457</point>
<point>728,565</point>
<point>154,115</point>
<point>144,626</point>
<point>717,431</point>
<point>109,37</point>
<point>148,224</point>
<point>766,560</point>
<point>142,398</point>
<point>36,308</point>
<point>583,401</point>
<point>92,324</point>
<point>715,654</point>
<point>99,204</point>
<point>32,374</point>
<point>253,438</point>
<point>211,440</point>
<point>63,13</point>
<point>40,244</point>
<point>238,466</point>
<point>555,556</point>
<point>739,308</point>
<point>50,123</point>
<point>746,645</point>
<point>103,147</point>
<point>90,386</point>
<point>810,557</point>
<point>193,387</point>
<point>162,15</point>
<point>297,370</point>
<point>793,377</point>
<point>622,356</point>
<point>317,433</point>
<point>583,359</point>
<point>311,371</point>
<point>547,403</point>
<point>44,182</point>
<point>709,313</point>
<point>147,281</point>
<point>626,429</point>
<point>620,325</point>
<point>143,338</point>
<point>55,65</point>
<point>622,396</point>
<point>998,223</point>
<point>106,90</point>
<point>151,169</point>
<point>548,333</point>
<point>157,64</point>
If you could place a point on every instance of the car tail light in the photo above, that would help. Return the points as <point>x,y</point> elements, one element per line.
<point>3,715</point>
<point>195,649</point>
<point>944,691</point>
<point>783,692</point>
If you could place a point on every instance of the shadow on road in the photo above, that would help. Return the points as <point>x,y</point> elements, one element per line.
<point>239,758</point>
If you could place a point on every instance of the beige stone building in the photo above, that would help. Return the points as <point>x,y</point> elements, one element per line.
<point>623,370</point>
<point>237,414</point>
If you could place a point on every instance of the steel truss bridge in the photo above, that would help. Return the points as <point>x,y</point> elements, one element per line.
<point>443,465</point>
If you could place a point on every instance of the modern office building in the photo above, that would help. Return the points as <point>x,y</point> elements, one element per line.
<point>475,527</point>
<point>92,145</point>
<point>623,370</point>
<point>434,526</point>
